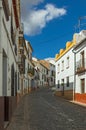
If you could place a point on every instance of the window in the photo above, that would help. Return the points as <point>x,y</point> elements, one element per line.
<point>67,81</point>
<point>58,84</point>
<point>62,65</point>
<point>52,72</point>
<point>42,77</point>
<point>67,62</point>
<point>6,9</point>
<point>18,82</point>
<point>58,68</point>
<point>82,59</point>
<point>47,71</point>
<point>51,79</point>
<point>82,85</point>
<point>12,80</point>
<point>62,82</point>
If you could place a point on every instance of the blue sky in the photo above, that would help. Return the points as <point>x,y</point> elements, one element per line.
<point>49,24</point>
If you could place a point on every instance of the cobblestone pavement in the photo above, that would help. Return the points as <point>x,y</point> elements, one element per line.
<point>41,110</point>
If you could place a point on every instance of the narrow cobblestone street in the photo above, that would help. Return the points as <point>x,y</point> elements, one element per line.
<point>41,110</point>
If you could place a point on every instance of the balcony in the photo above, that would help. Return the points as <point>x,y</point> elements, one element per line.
<point>21,41</point>
<point>21,69</point>
<point>21,50</point>
<point>21,31</point>
<point>21,64</point>
<point>81,66</point>
<point>31,72</point>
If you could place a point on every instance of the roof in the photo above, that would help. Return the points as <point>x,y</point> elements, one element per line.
<point>79,43</point>
<point>69,45</point>
<point>45,64</point>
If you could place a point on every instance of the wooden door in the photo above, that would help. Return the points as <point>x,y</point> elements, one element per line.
<point>82,85</point>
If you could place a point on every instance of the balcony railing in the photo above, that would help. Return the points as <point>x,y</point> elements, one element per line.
<point>21,41</point>
<point>21,64</point>
<point>31,72</point>
<point>81,66</point>
<point>21,50</point>
<point>21,28</point>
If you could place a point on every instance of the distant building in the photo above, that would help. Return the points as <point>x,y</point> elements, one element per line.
<point>46,72</point>
<point>50,60</point>
<point>30,66</point>
<point>51,75</point>
<point>80,68</point>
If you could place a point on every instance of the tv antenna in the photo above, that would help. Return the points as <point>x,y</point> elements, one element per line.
<point>78,27</point>
<point>79,22</point>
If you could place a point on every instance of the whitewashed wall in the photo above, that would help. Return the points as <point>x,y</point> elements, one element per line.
<point>83,75</point>
<point>67,72</point>
<point>7,46</point>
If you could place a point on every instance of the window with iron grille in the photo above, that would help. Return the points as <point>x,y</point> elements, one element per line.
<point>12,80</point>
<point>58,84</point>
<point>67,62</point>
<point>67,81</point>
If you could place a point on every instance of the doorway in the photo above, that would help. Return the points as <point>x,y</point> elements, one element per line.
<point>4,74</point>
<point>62,87</point>
<point>82,85</point>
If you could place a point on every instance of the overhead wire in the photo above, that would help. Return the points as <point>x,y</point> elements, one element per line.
<point>54,38</point>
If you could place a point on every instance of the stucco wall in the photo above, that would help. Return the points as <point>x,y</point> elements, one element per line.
<point>82,75</point>
<point>67,72</point>
<point>8,48</point>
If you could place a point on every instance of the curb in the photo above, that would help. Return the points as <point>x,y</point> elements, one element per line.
<point>78,103</point>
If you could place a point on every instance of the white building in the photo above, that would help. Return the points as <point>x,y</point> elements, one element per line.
<point>65,71</point>
<point>51,74</point>
<point>21,63</point>
<point>50,60</point>
<point>80,69</point>
<point>38,73</point>
<point>30,65</point>
<point>46,72</point>
<point>9,30</point>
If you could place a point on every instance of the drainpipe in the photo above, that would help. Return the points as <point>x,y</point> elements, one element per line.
<point>74,86</point>
<point>0,23</point>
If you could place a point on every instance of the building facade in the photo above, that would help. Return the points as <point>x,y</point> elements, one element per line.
<point>46,72</point>
<point>65,71</point>
<point>31,70</point>
<point>51,75</point>
<point>80,68</point>
<point>9,32</point>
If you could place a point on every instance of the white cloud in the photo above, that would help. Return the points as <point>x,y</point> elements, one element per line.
<point>54,12</point>
<point>36,19</point>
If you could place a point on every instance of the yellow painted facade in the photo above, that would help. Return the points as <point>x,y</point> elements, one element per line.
<point>69,45</point>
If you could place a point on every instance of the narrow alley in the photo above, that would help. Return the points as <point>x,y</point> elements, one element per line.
<point>41,110</point>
